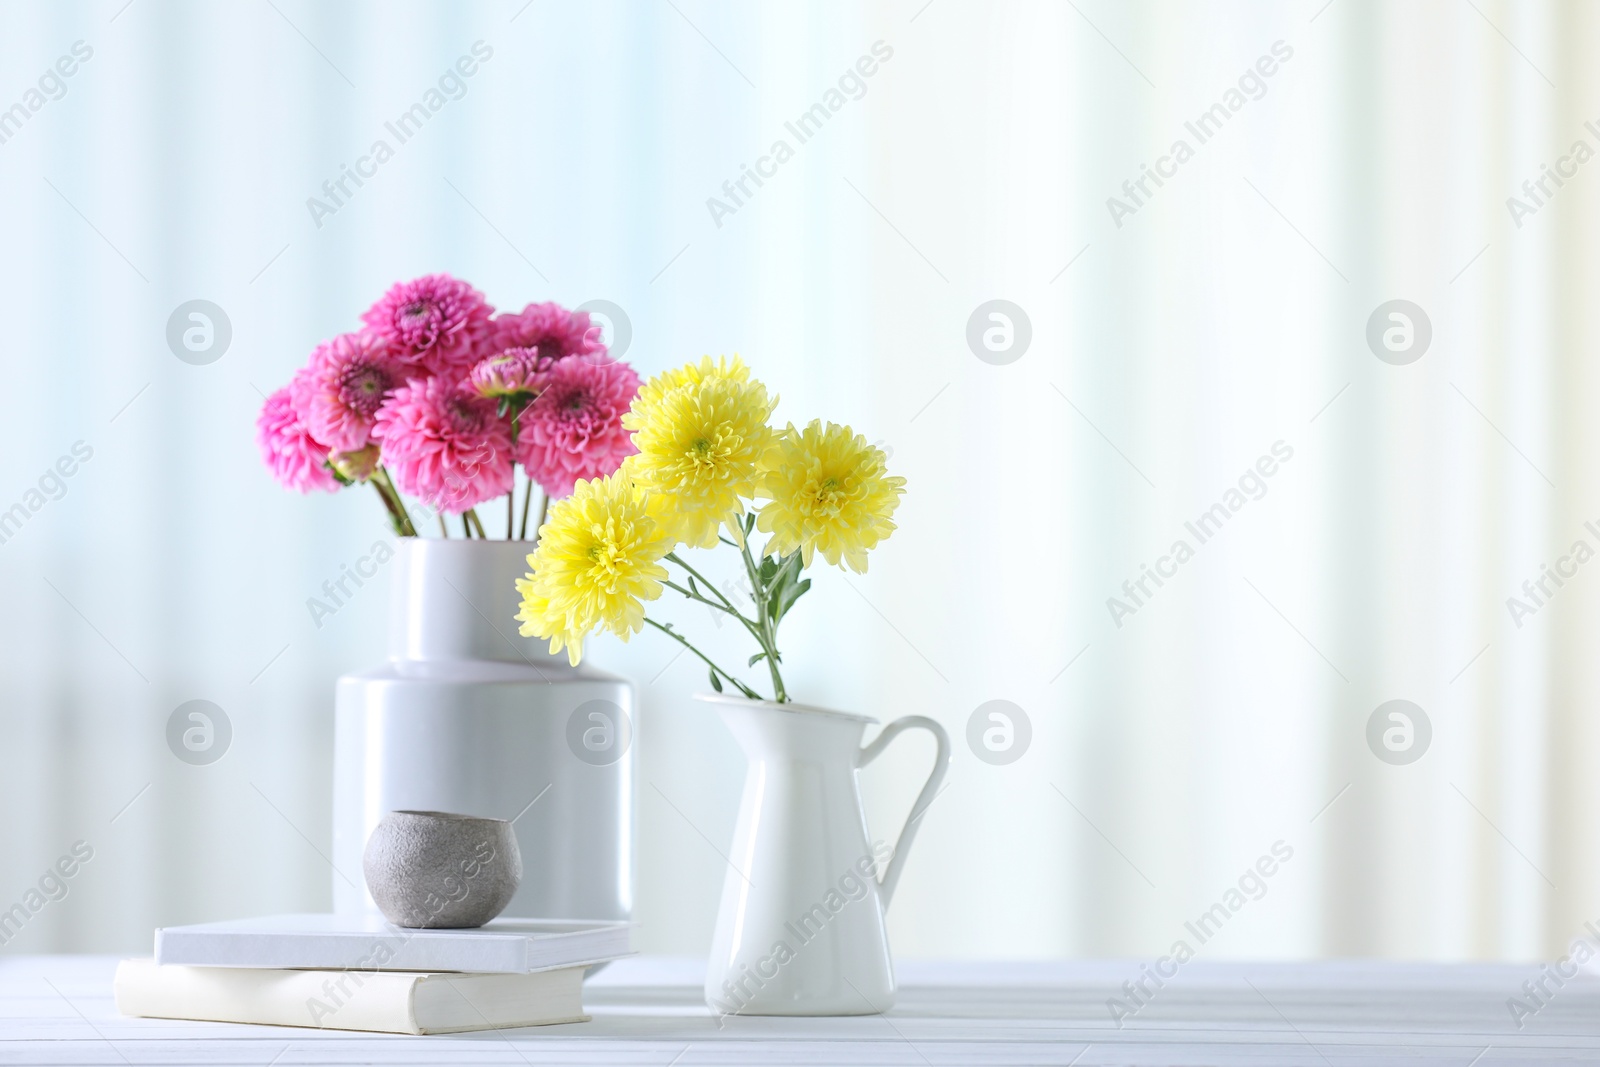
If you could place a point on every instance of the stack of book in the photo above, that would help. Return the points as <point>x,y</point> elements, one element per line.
<point>353,972</point>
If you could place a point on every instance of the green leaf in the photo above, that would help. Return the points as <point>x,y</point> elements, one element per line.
<point>716,683</point>
<point>757,658</point>
<point>790,593</point>
<point>692,587</point>
<point>501,408</point>
<point>777,592</point>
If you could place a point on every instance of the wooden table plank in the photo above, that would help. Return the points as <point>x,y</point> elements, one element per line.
<point>58,1010</point>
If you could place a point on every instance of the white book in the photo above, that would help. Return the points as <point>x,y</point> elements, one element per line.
<point>368,942</point>
<point>394,1002</point>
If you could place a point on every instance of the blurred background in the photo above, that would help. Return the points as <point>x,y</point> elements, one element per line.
<point>1159,338</point>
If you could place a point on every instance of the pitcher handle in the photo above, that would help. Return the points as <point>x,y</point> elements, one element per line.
<point>930,789</point>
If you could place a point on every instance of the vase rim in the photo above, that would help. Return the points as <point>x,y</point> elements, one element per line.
<point>788,705</point>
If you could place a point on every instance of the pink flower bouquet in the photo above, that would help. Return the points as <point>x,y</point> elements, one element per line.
<point>439,398</point>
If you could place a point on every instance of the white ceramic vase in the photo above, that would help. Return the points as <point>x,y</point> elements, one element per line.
<point>801,927</point>
<point>468,717</point>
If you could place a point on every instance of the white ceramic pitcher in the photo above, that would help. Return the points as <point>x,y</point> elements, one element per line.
<point>801,928</point>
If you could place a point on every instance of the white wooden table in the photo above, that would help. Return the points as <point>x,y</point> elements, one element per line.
<point>58,1010</point>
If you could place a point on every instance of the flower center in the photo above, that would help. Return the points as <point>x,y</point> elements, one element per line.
<point>607,560</point>
<point>830,494</point>
<point>362,388</point>
<point>465,417</point>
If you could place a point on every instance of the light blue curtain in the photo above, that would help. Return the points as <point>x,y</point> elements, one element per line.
<point>1178,337</point>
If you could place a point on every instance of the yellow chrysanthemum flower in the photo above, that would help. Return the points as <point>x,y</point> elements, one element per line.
<point>701,432</point>
<point>828,491</point>
<point>595,566</point>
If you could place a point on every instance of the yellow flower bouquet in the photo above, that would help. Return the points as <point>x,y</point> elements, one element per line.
<point>706,454</point>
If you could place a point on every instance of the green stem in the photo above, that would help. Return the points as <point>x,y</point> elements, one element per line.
<point>392,503</point>
<point>690,594</point>
<point>527,501</point>
<point>769,640</point>
<point>471,514</point>
<point>386,485</point>
<point>727,604</point>
<point>511,494</point>
<point>388,506</point>
<point>745,689</point>
<point>444,531</point>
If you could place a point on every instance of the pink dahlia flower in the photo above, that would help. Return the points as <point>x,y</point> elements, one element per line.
<point>444,444</point>
<point>296,459</point>
<point>574,428</point>
<point>551,329</point>
<point>434,324</point>
<point>512,372</point>
<point>338,394</point>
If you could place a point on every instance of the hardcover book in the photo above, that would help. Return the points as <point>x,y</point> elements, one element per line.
<point>396,1002</point>
<point>369,943</point>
